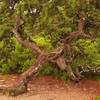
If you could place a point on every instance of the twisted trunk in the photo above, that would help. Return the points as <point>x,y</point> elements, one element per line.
<point>55,56</point>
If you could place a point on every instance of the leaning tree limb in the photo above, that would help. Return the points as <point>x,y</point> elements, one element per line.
<point>25,43</point>
<point>21,87</point>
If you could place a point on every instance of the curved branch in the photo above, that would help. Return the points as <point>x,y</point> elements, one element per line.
<point>25,43</point>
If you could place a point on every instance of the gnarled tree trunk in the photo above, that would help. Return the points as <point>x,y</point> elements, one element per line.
<point>55,56</point>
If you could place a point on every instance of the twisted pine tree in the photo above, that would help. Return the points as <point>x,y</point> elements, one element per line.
<point>35,32</point>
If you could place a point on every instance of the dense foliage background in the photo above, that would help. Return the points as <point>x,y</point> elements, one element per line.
<point>45,22</point>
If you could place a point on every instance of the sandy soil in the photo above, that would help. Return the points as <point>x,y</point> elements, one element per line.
<point>50,88</point>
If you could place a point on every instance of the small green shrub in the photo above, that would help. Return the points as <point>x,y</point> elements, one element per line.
<point>43,42</point>
<point>50,69</point>
<point>97,98</point>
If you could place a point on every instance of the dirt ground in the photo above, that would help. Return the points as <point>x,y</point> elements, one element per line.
<point>51,88</point>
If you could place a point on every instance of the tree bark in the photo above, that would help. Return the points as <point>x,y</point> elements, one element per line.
<point>67,67</point>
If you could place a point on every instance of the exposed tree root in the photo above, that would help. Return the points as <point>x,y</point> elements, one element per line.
<point>16,90</point>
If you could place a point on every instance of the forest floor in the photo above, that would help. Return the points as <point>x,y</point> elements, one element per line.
<point>51,88</point>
